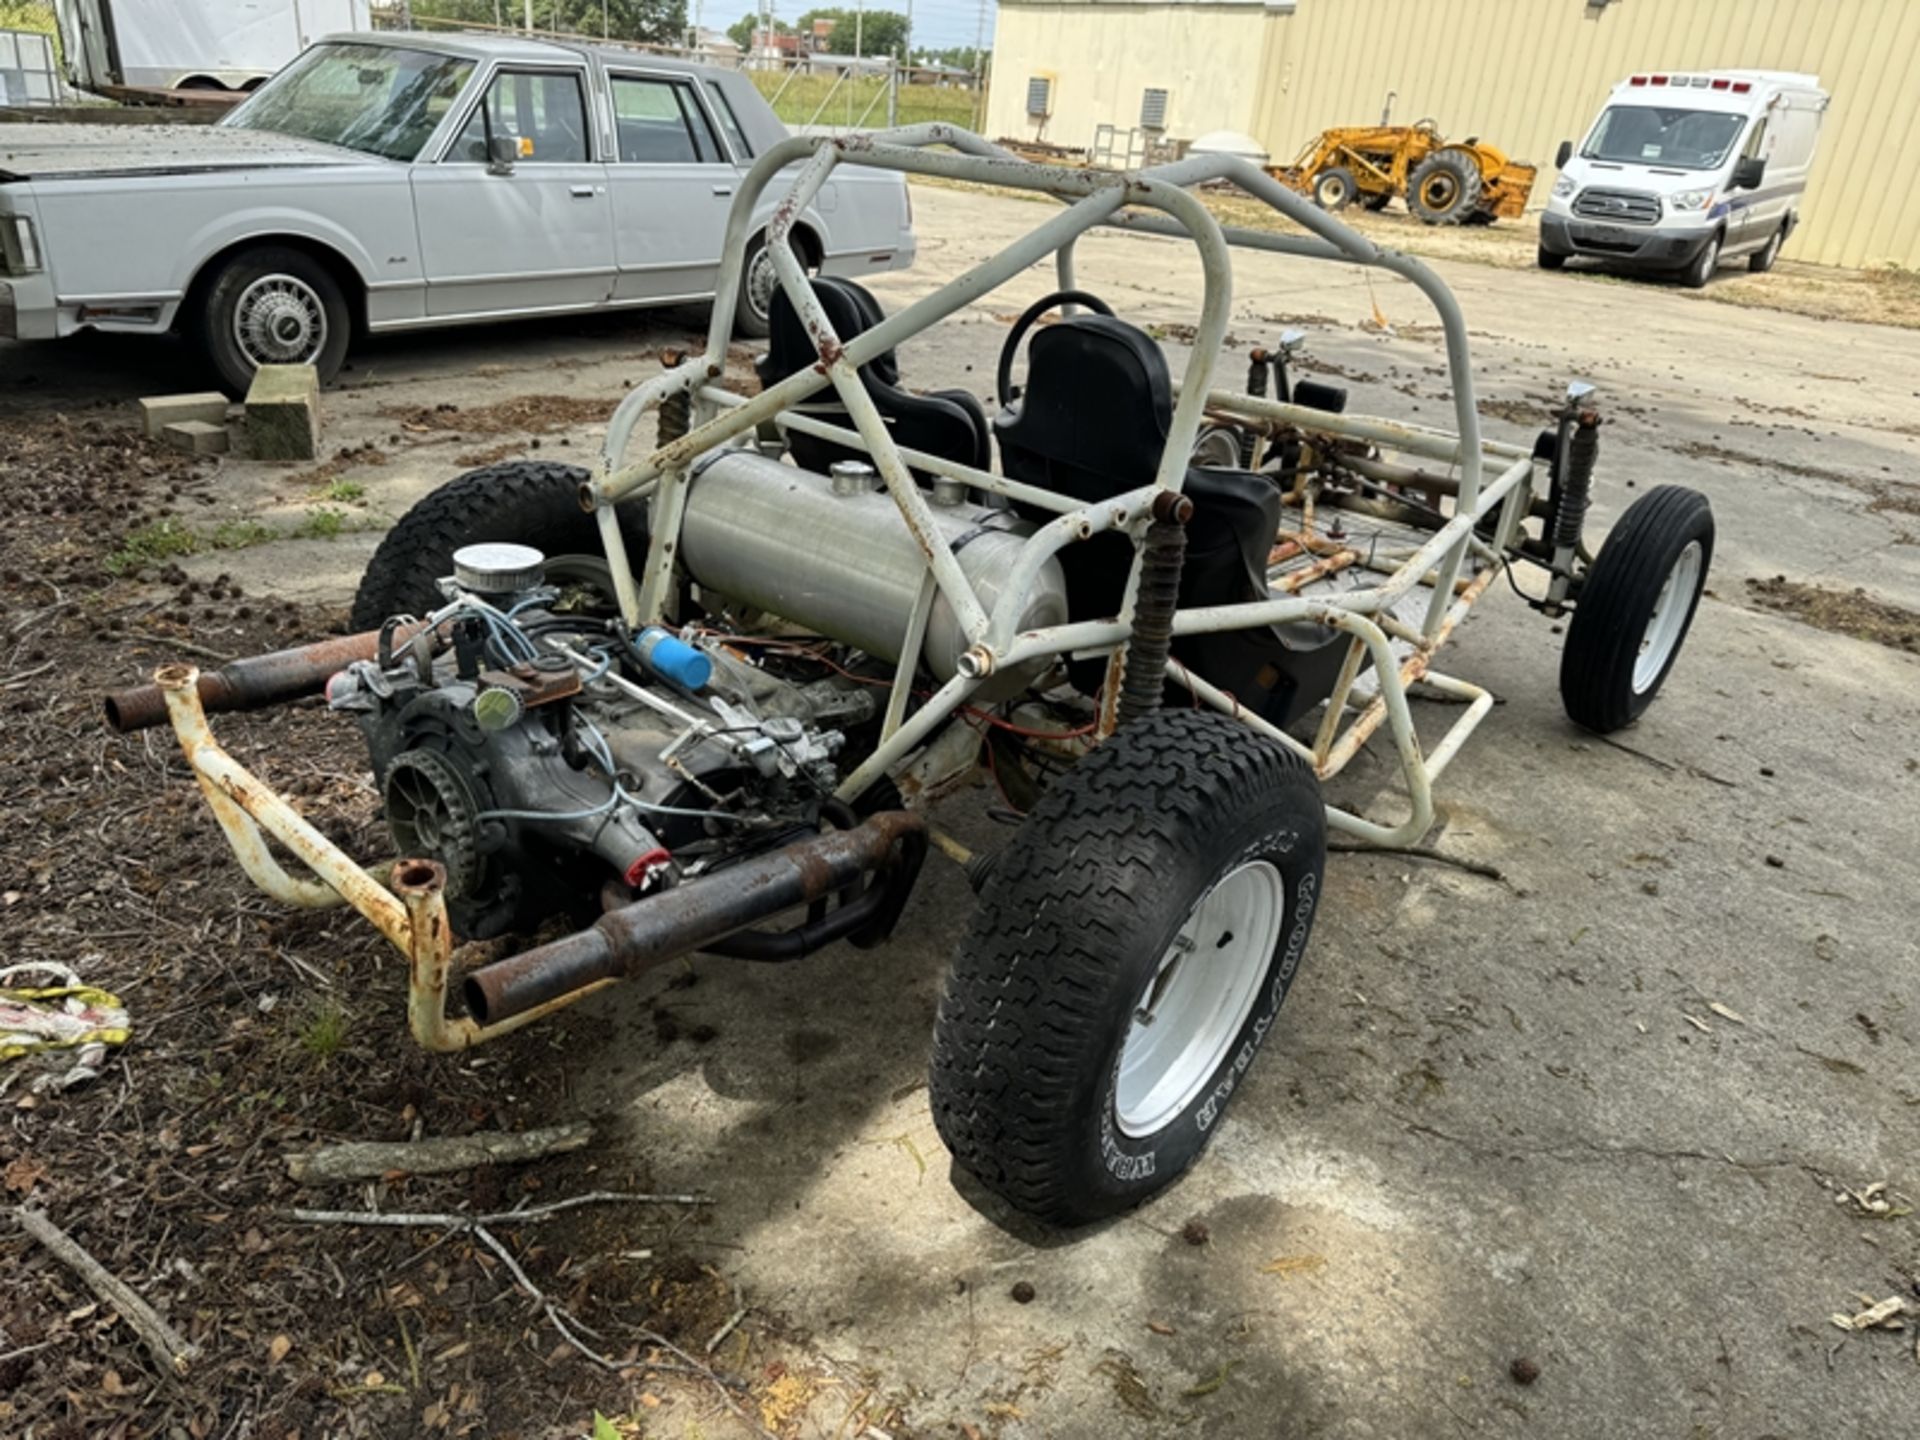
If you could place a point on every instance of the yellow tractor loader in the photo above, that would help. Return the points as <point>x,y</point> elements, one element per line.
<point>1444,182</point>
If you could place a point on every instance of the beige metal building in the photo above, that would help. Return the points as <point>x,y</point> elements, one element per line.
<point>1522,74</point>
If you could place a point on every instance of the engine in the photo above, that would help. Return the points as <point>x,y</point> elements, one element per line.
<point>541,752</point>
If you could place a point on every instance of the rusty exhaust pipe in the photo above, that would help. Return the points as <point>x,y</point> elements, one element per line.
<point>636,938</point>
<point>253,683</point>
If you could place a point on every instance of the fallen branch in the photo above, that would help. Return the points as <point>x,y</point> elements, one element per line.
<point>1428,853</point>
<point>171,1350</point>
<point>449,1220</point>
<point>371,1159</point>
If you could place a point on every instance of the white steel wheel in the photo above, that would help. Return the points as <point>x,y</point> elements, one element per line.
<point>1634,606</point>
<point>1667,625</point>
<point>1199,998</point>
<point>280,320</point>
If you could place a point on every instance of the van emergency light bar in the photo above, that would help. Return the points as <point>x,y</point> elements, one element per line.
<point>1698,82</point>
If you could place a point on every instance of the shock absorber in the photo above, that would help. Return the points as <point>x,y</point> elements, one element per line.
<point>1579,452</point>
<point>1162,556</point>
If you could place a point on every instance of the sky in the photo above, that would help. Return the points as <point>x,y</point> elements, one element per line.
<point>937,24</point>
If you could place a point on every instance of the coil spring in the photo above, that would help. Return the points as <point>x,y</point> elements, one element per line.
<point>1576,486</point>
<point>1163,556</point>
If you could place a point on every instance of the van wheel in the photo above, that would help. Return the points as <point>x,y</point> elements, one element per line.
<point>1550,261</point>
<point>272,305</point>
<point>1704,264</point>
<point>1761,261</point>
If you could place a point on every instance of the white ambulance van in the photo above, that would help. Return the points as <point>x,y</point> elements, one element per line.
<point>1681,172</point>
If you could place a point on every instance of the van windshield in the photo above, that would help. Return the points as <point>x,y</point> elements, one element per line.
<point>1660,135</point>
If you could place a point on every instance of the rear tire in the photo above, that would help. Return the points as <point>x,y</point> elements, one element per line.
<point>1184,838</point>
<point>1761,261</point>
<point>531,502</point>
<point>1550,261</point>
<point>272,305</point>
<point>1635,608</point>
<point>1335,188</point>
<point>1444,188</point>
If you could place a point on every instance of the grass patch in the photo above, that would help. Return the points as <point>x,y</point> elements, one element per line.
<point>150,544</point>
<point>801,99</point>
<point>345,492</point>
<point>323,1034</point>
<point>324,523</point>
<point>240,535</point>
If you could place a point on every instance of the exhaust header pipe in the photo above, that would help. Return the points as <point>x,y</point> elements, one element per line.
<point>255,682</point>
<point>636,938</point>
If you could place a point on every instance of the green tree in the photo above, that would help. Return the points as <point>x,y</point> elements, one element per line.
<point>881,32</point>
<point>656,22</point>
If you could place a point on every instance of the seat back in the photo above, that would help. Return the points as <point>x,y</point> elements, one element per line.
<point>947,423</point>
<point>1091,424</point>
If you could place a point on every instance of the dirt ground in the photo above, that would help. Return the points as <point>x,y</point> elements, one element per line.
<point>1587,1149</point>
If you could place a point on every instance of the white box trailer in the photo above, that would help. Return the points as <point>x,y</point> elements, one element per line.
<point>195,44</point>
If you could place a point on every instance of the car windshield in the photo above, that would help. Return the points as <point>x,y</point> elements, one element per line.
<point>1660,135</point>
<point>378,99</point>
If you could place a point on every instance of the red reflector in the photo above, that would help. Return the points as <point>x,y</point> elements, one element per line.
<point>1720,84</point>
<point>1638,80</point>
<point>1659,79</point>
<point>1742,88</point>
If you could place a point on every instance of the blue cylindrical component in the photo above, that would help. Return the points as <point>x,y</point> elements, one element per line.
<point>673,659</point>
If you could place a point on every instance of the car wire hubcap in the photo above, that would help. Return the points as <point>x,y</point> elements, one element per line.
<point>761,280</point>
<point>279,320</point>
<point>1669,619</point>
<point>1199,998</point>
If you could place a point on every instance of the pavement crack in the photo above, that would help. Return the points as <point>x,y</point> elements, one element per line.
<point>1588,1150</point>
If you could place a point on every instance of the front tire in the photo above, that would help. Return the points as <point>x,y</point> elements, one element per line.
<point>529,502</point>
<point>1696,275</point>
<point>1635,608</point>
<point>272,305</point>
<point>1334,189</point>
<point>1549,260</point>
<point>1169,880</point>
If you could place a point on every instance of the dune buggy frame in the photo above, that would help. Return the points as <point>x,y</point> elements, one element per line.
<point>1419,594</point>
<point>1494,479</point>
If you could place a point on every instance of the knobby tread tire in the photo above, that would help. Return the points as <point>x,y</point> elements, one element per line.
<point>1080,907</point>
<point>530,502</point>
<point>1468,184</point>
<point>1603,638</point>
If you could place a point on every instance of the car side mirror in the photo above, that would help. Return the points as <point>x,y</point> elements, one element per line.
<point>1748,172</point>
<point>1562,155</point>
<point>502,151</point>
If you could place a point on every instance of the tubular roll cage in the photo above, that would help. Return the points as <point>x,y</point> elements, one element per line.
<point>1092,198</point>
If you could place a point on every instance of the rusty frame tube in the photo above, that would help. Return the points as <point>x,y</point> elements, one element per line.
<point>639,937</point>
<point>413,915</point>
<point>254,683</point>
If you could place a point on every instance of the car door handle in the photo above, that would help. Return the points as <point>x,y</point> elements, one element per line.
<point>723,189</point>
<point>581,192</point>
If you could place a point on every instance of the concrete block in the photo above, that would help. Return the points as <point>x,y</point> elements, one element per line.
<point>283,413</point>
<point>159,411</point>
<point>196,437</point>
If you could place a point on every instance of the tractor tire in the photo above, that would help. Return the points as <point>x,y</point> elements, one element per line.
<point>1186,838</point>
<point>1335,188</point>
<point>530,502</point>
<point>1444,188</point>
<point>1635,608</point>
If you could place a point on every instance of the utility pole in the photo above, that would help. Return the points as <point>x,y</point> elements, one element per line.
<point>979,70</point>
<point>529,25</point>
<point>859,30</point>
